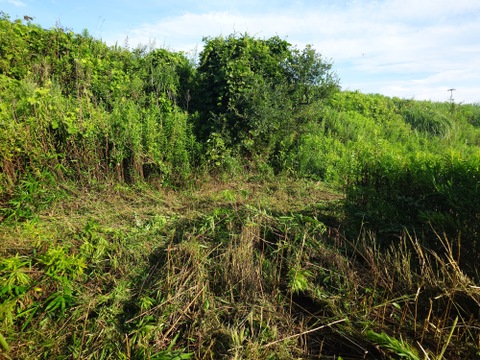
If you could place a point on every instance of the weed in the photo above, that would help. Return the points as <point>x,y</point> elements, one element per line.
<point>59,264</point>
<point>397,347</point>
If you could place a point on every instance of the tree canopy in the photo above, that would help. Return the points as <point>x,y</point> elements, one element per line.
<point>242,79</point>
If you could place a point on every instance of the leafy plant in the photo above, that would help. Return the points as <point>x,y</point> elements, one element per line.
<point>60,300</point>
<point>4,343</point>
<point>31,195</point>
<point>14,274</point>
<point>59,264</point>
<point>299,279</point>
<point>391,344</point>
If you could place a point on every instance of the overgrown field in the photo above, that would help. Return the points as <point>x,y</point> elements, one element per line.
<point>225,270</point>
<point>235,206</point>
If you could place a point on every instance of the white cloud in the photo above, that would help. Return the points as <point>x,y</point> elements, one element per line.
<point>430,44</point>
<point>422,10</point>
<point>188,29</point>
<point>17,3</point>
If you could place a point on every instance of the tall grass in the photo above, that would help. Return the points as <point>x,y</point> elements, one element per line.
<point>425,194</point>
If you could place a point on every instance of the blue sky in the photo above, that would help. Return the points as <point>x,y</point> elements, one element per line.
<point>407,48</point>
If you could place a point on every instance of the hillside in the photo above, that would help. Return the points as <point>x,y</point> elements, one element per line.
<point>241,206</point>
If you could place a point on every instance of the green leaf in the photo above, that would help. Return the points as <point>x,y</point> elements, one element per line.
<point>4,343</point>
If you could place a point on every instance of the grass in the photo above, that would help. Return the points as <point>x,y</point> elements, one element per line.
<point>225,270</point>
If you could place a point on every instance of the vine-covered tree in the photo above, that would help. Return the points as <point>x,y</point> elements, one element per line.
<point>249,88</point>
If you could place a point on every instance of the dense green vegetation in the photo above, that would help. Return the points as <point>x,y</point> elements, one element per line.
<point>241,206</point>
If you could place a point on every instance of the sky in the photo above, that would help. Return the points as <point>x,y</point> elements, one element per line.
<point>413,49</point>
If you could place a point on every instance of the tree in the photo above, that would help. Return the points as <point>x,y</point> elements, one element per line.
<point>310,75</point>
<point>250,87</point>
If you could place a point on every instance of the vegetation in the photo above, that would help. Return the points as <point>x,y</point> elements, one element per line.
<point>241,207</point>
<point>250,88</point>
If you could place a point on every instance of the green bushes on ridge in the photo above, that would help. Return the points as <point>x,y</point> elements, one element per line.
<point>76,109</point>
<point>82,111</point>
